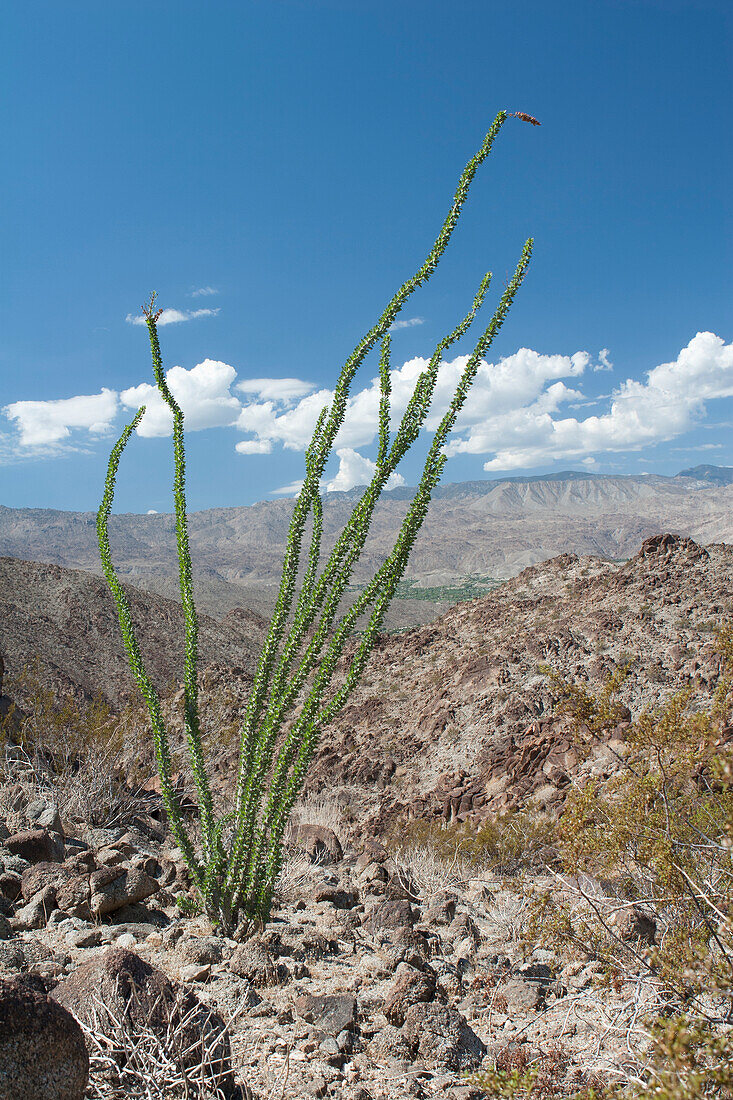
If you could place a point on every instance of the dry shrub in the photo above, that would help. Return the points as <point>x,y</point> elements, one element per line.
<point>520,1073</point>
<point>130,1061</point>
<point>515,842</point>
<point>70,751</point>
<point>656,839</point>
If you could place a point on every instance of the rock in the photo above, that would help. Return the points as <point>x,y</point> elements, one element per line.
<point>194,972</point>
<point>634,925</point>
<point>36,846</point>
<point>330,1014</point>
<point>319,843</point>
<point>113,887</point>
<point>12,956</point>
<point>84,937</point>
<point>463,928</point>
<point>5,930</point>
<point>134,992</point>
<point>441,910</point>
<point>411,986</point>
<point>40,875</point>
<point>44,815</point>
<point>338,896</point>
<point>36,912</point>
<point>42,1049</point>
<point>403,945</point>
<point>389,1043</point>
<point>200,951</point>
<point>73,897</point>
<point>391,914</point>
<point>252,960</point>
<point>10,885</point>
<point>441,1036</point>
<point>520,995</point>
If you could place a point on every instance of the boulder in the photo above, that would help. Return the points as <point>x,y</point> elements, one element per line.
<point>252,960</point>
<point>36,913</point>
<point>45,815</point>
<point>36,846</point>
<point>441,1036</point>
<point>390,915</point>
<point>40,875</point>
<point>331,1014</point>
<point>73,897</point>
<point>124,990</point>
<point>42,1049</point>
<point>411,986</point>
<point>112,887</point>
<point>319,843</point>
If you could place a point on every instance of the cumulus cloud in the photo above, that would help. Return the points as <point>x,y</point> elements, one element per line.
<point>669,402</point>
<point>355,469</point>
<point>173,316</point>
<point>604,363</point>
<point>45,424</point>
<point>524,411</point>
<point>409,322</point>
<point>204,292</point>
<point>275,389</point>
<point>203,392</point>
<point>254,447</point>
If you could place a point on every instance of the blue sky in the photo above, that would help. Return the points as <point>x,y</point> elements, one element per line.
<point>275,169</point>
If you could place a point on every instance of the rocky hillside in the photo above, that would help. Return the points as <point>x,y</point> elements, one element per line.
<point>455,718</point>
<point>385,972</point>
<point>63,622</point>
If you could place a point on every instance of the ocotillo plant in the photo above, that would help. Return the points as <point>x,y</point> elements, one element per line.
<point>294,695</point>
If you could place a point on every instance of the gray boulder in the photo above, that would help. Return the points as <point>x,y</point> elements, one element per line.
<point>113,887</point>
<point>442,1037</point>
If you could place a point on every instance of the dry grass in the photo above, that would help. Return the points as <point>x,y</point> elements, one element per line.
<point>424,872</point>
<point>129,1062</point>
<point>91,793</point>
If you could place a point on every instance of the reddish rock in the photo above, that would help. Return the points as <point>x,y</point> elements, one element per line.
<point>36,846</point>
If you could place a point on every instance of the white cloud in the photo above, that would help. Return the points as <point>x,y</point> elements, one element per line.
<point>355,469</point>
<point>291,427</point>
<point>671,400</point>
<point>152,512</point>
<point>275,389</point>
<point>290,490</point>
<point>254,447</point>
<point>202,392</point>
<point>204,292</point>
<point>524,411</point>
<point>173,316</point>
<point>604,363</point>
<point>409,322</point>
<point>45,424</point>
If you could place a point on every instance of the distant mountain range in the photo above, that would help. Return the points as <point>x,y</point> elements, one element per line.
<point>717,475</point>
<point>476,529</point>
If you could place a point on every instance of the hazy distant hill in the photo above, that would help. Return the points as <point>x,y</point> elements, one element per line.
<point>718,475</point>
<point>489,529</point>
